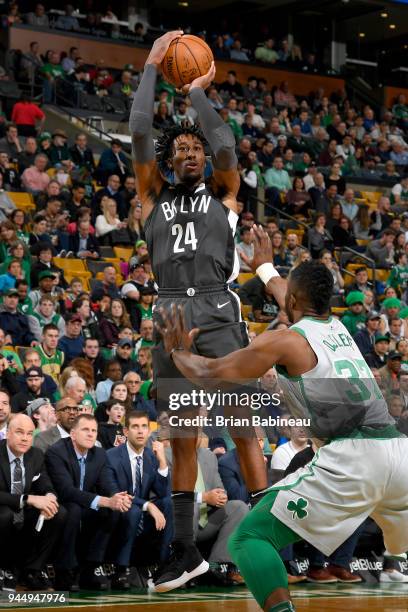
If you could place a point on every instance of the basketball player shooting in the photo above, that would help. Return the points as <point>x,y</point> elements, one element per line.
<point>360,468</point>
<point>189,229</point>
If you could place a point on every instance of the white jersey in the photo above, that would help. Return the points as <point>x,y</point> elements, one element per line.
<point>340,393</point>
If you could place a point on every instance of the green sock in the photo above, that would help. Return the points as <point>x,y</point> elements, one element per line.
<point>254,548</point>
<point>283,606</point>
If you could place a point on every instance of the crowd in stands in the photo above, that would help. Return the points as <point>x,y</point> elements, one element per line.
<point>77,293</point>
<point>226,45</point>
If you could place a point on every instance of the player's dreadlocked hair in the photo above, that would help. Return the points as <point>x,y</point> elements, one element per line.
<point>316,282</point>
<point>164,144</point>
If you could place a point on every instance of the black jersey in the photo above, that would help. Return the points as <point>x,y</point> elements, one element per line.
<point>190,238</point>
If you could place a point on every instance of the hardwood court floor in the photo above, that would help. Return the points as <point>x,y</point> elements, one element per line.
<point>307,598</point>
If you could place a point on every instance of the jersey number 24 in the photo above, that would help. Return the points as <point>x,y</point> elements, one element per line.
<point>184,235</point>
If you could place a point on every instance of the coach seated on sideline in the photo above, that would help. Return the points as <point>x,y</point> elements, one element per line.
<point>79,473</point>
<point>26,494</point>
<point>144,474</point>
<point>215,517</point>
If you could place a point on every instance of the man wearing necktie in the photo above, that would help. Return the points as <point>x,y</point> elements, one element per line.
<point>78,471</point>
<point>26,493</point>
<point>144,474</point>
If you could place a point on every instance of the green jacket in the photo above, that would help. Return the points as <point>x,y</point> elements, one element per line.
<point>263,54</point>
<point>235,128</point>
<point>398,277</point>
<point>353,322</point>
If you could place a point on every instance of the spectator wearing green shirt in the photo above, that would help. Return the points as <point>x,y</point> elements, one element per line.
<point>18,252</point>
<point>266,52</point>
<point>235,127</point>
<point>146,335</point>
<point>277,182</point>
<point>400,109</point>
<point>145,305</point>
<point>398,278</point>
<point>25,305</point>
<point>51,71</point>
<point>253,160</point>
<point>354,318</point>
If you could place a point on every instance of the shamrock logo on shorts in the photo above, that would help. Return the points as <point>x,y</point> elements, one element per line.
<point>298,508</point>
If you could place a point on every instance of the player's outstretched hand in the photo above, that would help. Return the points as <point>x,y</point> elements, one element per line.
<point>173,330</point>
<point>203,81</point>
<point>262,247</point>
<point>160,46</point>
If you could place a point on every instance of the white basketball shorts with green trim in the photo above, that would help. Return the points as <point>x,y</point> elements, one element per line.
<point>347,481</point>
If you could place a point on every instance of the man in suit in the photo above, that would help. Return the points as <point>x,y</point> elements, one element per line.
<point>78,471</point>
<point>215,517</point>
<point>144,474</point>
<point>83,244</point>
<point>26,495</point>
<point>66,411</point>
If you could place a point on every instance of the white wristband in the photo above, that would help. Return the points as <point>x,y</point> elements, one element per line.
<point>266,271</point>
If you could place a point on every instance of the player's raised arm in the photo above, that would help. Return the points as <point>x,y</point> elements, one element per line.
<point>218,134</point>
<point>148,178</point>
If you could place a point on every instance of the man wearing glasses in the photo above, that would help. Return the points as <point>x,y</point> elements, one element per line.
<point>133,383</point>
<point>66,412</point>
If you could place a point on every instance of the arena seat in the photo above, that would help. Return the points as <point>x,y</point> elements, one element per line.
<point>246,309</point>
<point>123,253</point>
<point>338,310</point>
<point>98,266</point>
<point>20,350</point>
<point>243,277</point>
<point>106,251</point>
<point>23,201</point>
<point>298,232</point>
<point>115,262</point>
<point>352,267</point>
<point>382,274</point>
<point>70,265</point>
<point>372,197</point>
<point>258,328</point>
<point>85,277</point>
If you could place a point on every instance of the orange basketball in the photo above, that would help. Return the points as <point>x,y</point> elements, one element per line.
<point>187,58</point>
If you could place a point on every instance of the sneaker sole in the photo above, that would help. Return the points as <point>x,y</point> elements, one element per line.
<point>164,587</point>
<point>350,581</point>
<point>390,580</point>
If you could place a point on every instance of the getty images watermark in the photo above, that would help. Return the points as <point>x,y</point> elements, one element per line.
<point>210,406</point>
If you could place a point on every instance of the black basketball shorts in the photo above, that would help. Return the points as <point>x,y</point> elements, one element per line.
<point>216,314</point>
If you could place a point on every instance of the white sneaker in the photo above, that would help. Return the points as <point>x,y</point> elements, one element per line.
<point>393,576</point>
